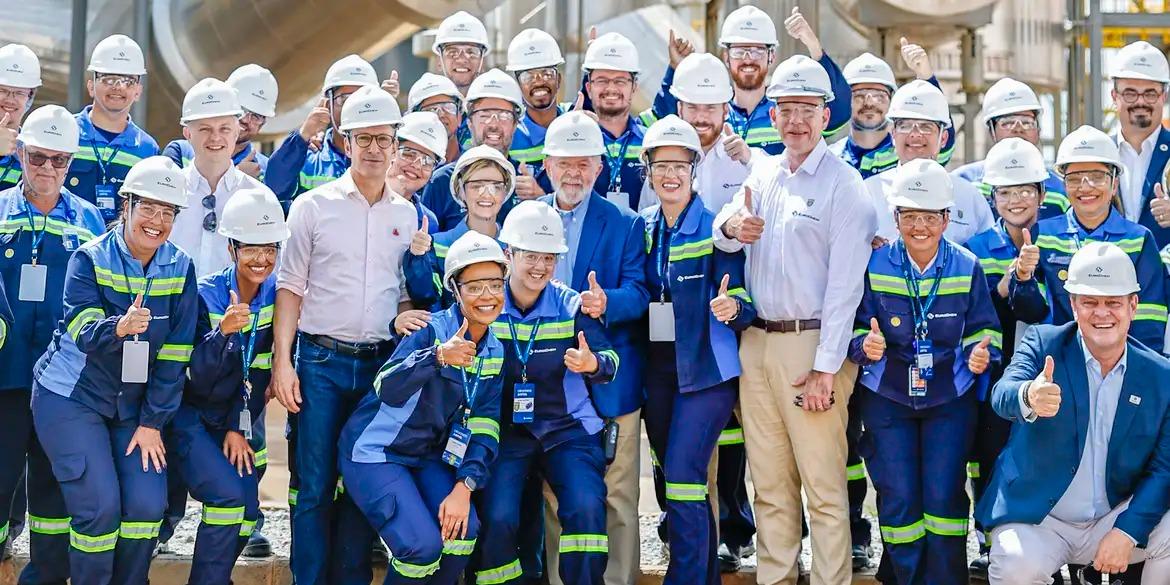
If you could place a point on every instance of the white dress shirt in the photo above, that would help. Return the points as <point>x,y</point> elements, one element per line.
<point>810,262</point>
<point>344,259</point>
<point>1133,180</point>
<point>970,215</point>
<point>717,178</point>
<point>207,249</point>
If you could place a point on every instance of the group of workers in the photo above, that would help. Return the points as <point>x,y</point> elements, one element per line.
<point>469,310</point>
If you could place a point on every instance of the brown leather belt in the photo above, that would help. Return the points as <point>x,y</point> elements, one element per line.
<point>787,326</point>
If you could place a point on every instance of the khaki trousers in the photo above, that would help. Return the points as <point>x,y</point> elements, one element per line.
<point>789,448</point>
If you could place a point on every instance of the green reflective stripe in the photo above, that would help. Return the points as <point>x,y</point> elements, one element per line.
<point>42,525</point>
<point>159,287</point>
<point>4,532</point>
<point>945,526</point>
<point>3,332</point>
<point>438,281</point>
<point>861,331</point>
<point>833,131</point>
<point>489,367</point>
<point>139,530</point>
<point>264,320</point>
<point>501,574</point>
<point>262,361</point>
<point>995,266</point>
<point>222,516</point>
<point>996,338</point>
<point>944,157</point>
<point>903,534</point>
<point>550,330</point>
<point>176,352</point>
<point>50,225</point>
<point>414,571</point>
<point>1056,243</point>
<point>762,134</point>
<point>292,496</point>
<point>692,250</point>
<point>1131,245</point>
<point>261,458</point>
<point>654,458</point>
<point>440,250</point>
<point>740,292</point>
<point>879,159</point>
<point>1150,312</point>
<point>584,543</point>
<point>647,118</point>
<point>121,158</point>
<point>683,492</point>
<point>92,544</point>
<point>247,527</point>
<point>855,472</point>
<point>458,547</point>
<point>986,190</point>
<point>340,489</point>
<point>484,426</point>
<point>527,155</point>
<point>896,285</point>
<point>617,362</point>
<point>632,151</point>
<point>1058,199</point>
<point>731,437</point>
<point>973,470</point>
<point>314,181</point>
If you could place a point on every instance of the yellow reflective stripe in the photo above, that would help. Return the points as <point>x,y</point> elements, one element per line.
<point>692,250</point>
<point>1131,245</point>
<point>731,437</point>
<point>1150,312</point>
<point>261,458</point>
<point>896,285</point>
<point>440,250</point>
<point>42,525</point>
<point>855,472</point>
<point>247,527</point>
<point>527,155</point>
<point>292,496</point>
<point>159,287</point>
<point>313,181</point>
<point>996,338</point>
<point>585,543</point>
<point>740,292</point>
<point>613,355</point>
<point>414,571</point>
<point>1056,243</point>
<point>903,534</point>
<point>632,151</point>
<point>484,426</point>
<point>994,266</point>
<point>214,516</point>
<point>139,530</point>
<point>945,526</point>
<point>121,158</point>
<point>262,361</point>
<point>551,330</point>
<point>501,574</point>
<point>485,366</point>
<point>93,544</point>
<point>175,352</point>
<point>1059,200</point>
<point>973,470</point>
<point>458,547</point>
<point>685,492</point>
<point>49,225</point>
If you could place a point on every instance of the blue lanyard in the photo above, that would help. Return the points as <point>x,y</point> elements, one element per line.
<point>523,356</point>
<point>36,236</point>
<point>249,351</point>
<point>470,390</point>
<point>918,306</point>
<point>615,168</point>
<point>734,119</point>
<point>661,258</point>
<point>102,164</point>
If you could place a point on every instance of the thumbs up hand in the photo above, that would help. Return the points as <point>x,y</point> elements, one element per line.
<point>7,135</point>
<point>135,321</point>
<point>874,344</point>
<point>746,226</point>
<point>581,360</point>
<point>799,29</point>
<point>980,356</point>
<point>236,316</point>
<point>916,59</point>
<point>735,146</point>
<point>1160,206</point>
<point>1043,396</point>
<point>390,85</point>
<point>317,120</point>
<point>593,300</point>
<point>457,351</point>
<point>420,242</point>
<point>249,166</point>
<point>724,307</point>
<point>526,185</point>
<point>1028,259</point>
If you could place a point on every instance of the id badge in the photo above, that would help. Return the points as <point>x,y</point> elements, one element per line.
<point>661,321</point>
<point>924,359</point>
<point>917,383</point>
<point>135,361</point>
<point>619,198</point>
<point>246,423</point>
<point>32,282</point>
<point>523,403</point>
<point>106,197</point>
<point>456,445</point>
<point>70,241</point>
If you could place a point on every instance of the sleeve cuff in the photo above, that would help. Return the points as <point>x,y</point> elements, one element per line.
<point>724,243</point>
<point>1026,413</point>
<point>829,363</point>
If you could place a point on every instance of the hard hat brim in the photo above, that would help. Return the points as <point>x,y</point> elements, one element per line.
<point>990,116</point>
<point>906,115</point>
<point>537,65</point>
<point>33,141</point>
<point>144,195</point>
<point>266,110</point>
<point>270,236</point>
<point>1138,76</point>
<point>904,202</point>
<point>723,98</point>
<point>1061,165</point>
<point>875,80</point>
<point>106,71</point>
<point>239,113</point>
<point>738,40</point>
<point>794,92</point>
<point>1089,290</point>
<point>369,124</point>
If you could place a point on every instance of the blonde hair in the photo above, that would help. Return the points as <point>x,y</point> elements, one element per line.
<point>479,165</point>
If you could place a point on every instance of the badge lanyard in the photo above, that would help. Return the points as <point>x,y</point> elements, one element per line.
<point>615,168</point>
<point>918,306</point>
<point>36,236</point>
<point>130,289</point>
<point>470,390</point>
<point>103,164</point>
<point>662,259</point>
<point>527,353</point>
<point>247,354</point>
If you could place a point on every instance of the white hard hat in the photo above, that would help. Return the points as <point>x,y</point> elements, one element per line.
<point>253,215</point>
<point>1008,96</point>
<point>922,184</point>
<point>429,86</point>
<point>1014,161</point>
<point>1088,144</point>
<point>869,68</point>
<point>611,52</point>
<point>425,130</point>
<point>799,76</point>
<point>210,98</point>
<point>495,84</point>
<point>671,131</point>
<point>19,67</point>
<point>1141,60</point>
<point>748,26</point>
<point>920,100</point>
<point>534,226</point>
<point>1101,269</point>
<point>369,106</point>
<point>701,78</point>
<point>574,133</point>
<point>256,87</point>
<point>460,27</point>
<point>157,178</point>
<point>349,70</point>
<point>471,248</point>
<point>475,154</point>
<point>533,49</point>
<point>51,127</point>
<point>119,55</point>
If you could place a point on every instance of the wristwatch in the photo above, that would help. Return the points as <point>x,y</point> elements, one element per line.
<point>1024,391</point>
<point>470,483</point>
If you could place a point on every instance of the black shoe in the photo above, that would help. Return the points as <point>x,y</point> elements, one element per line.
<point>258,547</point>
<point>861,557</point>
<point>729,562</point>
<point>378,553</point>
<point>978,567</point>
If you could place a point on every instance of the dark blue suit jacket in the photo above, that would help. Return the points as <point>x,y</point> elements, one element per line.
<point>1039,462</point>
<point>1154,175</point>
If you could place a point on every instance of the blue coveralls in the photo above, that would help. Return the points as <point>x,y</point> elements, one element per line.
<point>916,444</point>
<point>181,152</point>
<point>528,141</point>
<point>424,274</point>
<point>86,416</point>
<point>391,450</point>
<point>1060,237</point>
<point>69,224</point>
<point>293,168</point>
<point>1055,199</point>
<point>690,382</point>
<point>100,166</point>
<point>9,171</point>
<point>437,197</point>
<point>214,399</point>
<point>621,171</point>
<point>562,443</point>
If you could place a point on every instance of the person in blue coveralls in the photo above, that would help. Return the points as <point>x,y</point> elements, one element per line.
<point>553,355</point>
<point>423,442</point>
<point>225,391</point>
<point>697,302</point>
<point>925,333</point>
<point>422,141</point>
<point>534,57</point>
<point>111,143</point>
<point>438,95</point>
<point>112,378</point>
<point>20,76</point>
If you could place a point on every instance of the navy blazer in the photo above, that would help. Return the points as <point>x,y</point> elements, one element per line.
<point>1154,175</point>
<point>1041,457</point>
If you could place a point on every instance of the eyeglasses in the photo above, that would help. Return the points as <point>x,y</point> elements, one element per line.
<point>671,168</point>
<point>152,211</point>
<point>384,141</point>
<point>880,96</point>
<point>14,94</point>
<point>489,115</point>
<point>1094,179</point>
<point>112,80</point>
<point>916,127</point>
<point>36,159</point>
<point>254,118</point>
<point>754,53</point>
<point>413,157</point>
<point>1149,96</point>
<point>536,258</point>
<point>621,83</point>
<point>339,99</point>
<point>481,187</point>
<point>210,222</point>
<point>1022,123</point>
<point>542,74</point>
<point>1026,193</point>
<point>476,288</point>
<point>930,219</point>
<point>252,252</point>
<point>798,112</point>
<point>449,108</point>
<point>462,51</point>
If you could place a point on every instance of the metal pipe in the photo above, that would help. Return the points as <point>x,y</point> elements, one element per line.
<point>1093,93</point>
<point>76,95</point>
<point>142,35</point>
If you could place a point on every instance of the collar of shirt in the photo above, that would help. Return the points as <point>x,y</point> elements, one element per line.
<point>1146,146</point>
<point>811,163</point>
<point>1094,367</point>
<point>765,105</point>
<point>574,214</point>
<point>345,185</point>
<point>1003,240</point>
<point>632,128</point>
<point>689,223</point>
<point>267,289</point>
<point>198,186</point>
<point>128,137</point>
<point>544,308</point>
<point>12,202</point>
<point>1113,225</point>
<point>895,255</point>
<point>163,256</point>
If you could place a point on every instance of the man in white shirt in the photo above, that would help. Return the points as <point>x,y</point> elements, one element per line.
<point>211,123</point>
<point>1140,78</point>
<point>807,224</point>
<point>920,119</point>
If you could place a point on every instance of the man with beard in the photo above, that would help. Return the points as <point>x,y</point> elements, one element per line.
<point>534,57</point>
<point>110,141</point>
<point>256,89</point>
<point>438,95</point>
<point>461,44</point>
<point>1139,95</point>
